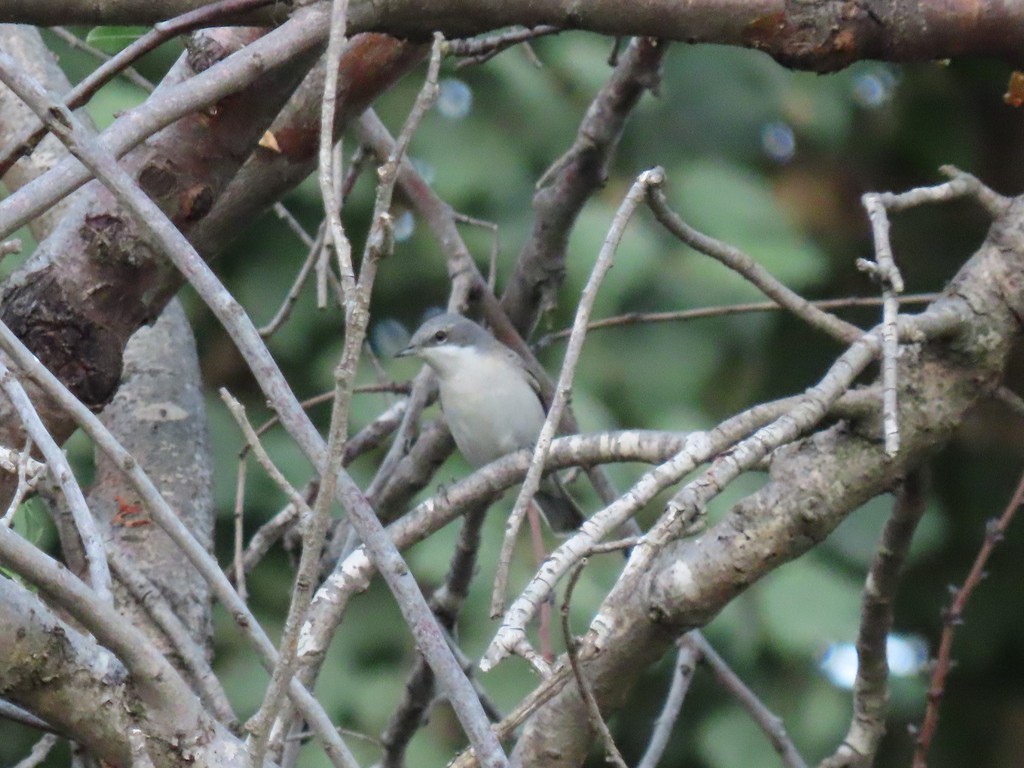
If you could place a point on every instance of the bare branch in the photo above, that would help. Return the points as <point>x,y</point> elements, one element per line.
<point>871,692</point>
<point>327,171</point>
<point>477,50</point>
<point>612,754</point>
<point>571,181</point>
<point>994,531</point>
<point>87,88</point>
<point>446,602</point>
<point>92,542</point>
<point>563,389</point>
<point>822,37</point>
<point>740,262</point>
<point>766,720</point>
<point>682,673</point>
<point>682,315</point>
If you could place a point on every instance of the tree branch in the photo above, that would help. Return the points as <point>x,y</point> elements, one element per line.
<point>819,36</point>
<point>814,483</point>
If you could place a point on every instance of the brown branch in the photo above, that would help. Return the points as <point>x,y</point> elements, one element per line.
<point>770,723</point>
<point>87,88</point>
<point>739,262</point>
<point>573,179</point>
<point>49,13</point>
<point>682,315</point>
<point>99,273</point>
<point>370,64</point>
<point>477,50</point>
<point>818,36</point>
<point>953,616</point>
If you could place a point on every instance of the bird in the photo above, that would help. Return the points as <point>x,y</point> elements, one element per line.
<point>491,402</point>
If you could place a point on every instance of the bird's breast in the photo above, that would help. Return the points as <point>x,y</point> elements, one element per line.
<point>491,410</point>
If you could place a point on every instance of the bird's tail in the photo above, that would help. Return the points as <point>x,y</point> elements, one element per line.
<point>560,509</point>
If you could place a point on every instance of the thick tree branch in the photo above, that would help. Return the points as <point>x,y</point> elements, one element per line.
<point>821,36</point>
<point>165,707</point>
<point>814,483</point>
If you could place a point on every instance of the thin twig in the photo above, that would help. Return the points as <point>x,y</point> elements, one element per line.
<point>267,535</point>
<point>953,617</point>
<point>884,270</point>
<point>294,225</point>
<point>736,260</point>
<point>128,72</point>
<point>477,50</point>
<point>682,674</point>
<point>380,237</point>
<point>397,388</point>
<point>298,284</point>
<point>770,723</point>
<point>492,266</point>
<point>612,754</point>
<point>259,724</point>
<point>327,170</point>
<point>191,655</point>
<point>446,602</point>
<point>26,481</point>
<point>644,182</point>
<point>239,537</point>
<point>637,318</point>
<point>60,470</point>
<point>253,441</point>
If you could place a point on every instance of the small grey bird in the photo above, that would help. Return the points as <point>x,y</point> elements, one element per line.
<point>491,402</point>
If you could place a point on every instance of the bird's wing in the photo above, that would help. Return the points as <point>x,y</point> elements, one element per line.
<point>520,364</point>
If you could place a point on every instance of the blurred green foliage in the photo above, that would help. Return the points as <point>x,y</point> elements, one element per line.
<point>770,161</point>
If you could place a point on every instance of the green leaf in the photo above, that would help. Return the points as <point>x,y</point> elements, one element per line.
<point>114,39</point>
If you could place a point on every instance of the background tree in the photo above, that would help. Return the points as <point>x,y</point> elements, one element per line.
<point>226,610</point>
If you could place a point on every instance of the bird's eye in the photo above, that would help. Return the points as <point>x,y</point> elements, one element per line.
<point>441,337</point>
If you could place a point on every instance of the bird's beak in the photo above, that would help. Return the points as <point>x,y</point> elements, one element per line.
<point>406,351</point>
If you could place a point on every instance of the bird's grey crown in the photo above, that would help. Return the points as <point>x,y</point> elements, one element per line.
<point>451,330</point>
